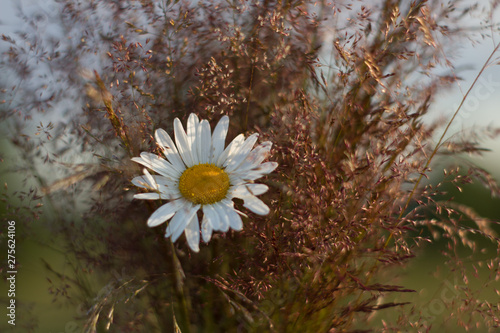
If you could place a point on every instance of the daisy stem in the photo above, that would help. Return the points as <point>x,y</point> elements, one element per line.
<point>183,303</point>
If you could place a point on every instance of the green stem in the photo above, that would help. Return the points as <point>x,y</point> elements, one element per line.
<point>182,300</point>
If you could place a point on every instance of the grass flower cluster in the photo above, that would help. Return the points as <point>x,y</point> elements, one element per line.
<point>326,193</point>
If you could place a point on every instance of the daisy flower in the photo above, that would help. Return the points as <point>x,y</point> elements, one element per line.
<point>198,173</point>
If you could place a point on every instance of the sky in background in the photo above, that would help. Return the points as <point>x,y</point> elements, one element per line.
<point>482,108</point>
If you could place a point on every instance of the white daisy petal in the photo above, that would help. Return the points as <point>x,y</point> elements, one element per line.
<point>212,217</point>
<point>223,217</point>
<point>192,136</point>
<point>157,164</point>
<point>177,223</point>
<point>256,156</point>
<point>204,141</point>
<point>166,188</point>
<point>234,219</point>
<point>171,194</point>
<point>180,221</point>
<point>237,179</point>
<point>234,145</point>
<point>242,191</point>
<point>241,154</point>
<point>173,224</point>
<point>239,191</point>
<point>150,179</point>
<point>219,138</point>
<point>141,181</point>
<point>267,167</point>
<point>255,205</point>
<point>257,189</point>
<point>258,172</point>
<point>147,196</point>
<point>146,181</point>
<point>206,230</point>
<point>182,226</point>
<point>169,149</point>
<point>240,213</point>
<point>183,145</point>
<point>165,212</point>
<point>192,233</point>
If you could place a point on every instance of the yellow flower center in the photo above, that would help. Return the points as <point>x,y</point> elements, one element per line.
<point>204,184</point>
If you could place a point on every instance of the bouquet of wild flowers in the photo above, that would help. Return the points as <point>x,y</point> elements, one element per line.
<point>339,148</point>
